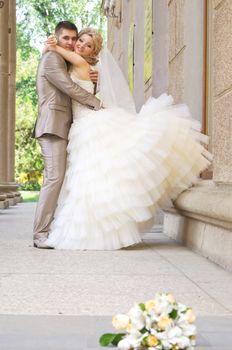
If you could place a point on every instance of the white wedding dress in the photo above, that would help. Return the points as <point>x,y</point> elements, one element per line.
<point>121,167</point>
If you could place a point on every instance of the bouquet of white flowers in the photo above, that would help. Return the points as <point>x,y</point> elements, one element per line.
<point>158,324</point>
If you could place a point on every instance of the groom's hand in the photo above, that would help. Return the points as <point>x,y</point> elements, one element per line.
<point>93,74</point>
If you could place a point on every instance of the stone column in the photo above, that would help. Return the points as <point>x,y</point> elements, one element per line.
<point>139,55</point>
<point>11,89</point>
<point>221,16</point>
<point>176,49</point>
<point>160,48</point>
<point>125,34</point>
<point>8,194</point>
<point>193,64</point>
<point>11,102</point>
<point>4,12</point>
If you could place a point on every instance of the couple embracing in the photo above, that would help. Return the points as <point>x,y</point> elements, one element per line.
<point>106,170</point>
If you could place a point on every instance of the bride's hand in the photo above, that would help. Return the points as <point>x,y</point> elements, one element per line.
<point>51,41</point>
<point>50,44</point>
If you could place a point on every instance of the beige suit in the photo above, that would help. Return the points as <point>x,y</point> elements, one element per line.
<point>55,91</point>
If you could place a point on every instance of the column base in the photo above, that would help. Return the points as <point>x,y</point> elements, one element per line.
<point>4,203</point>
<point>202,220</point>
<point>9,195</point>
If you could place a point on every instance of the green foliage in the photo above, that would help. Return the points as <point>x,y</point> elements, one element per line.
<point>26,77</point>
<point>29,165</point>
<point>30,196</point>
<point>35,20</point>
<point>142,306</point>
<point>111,339</point>
<point>143,330</point>
<point>38,18</point>
<point>173,314</point>
<point>144,342</point>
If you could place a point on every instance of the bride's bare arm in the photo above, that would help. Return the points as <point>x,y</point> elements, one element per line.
<point>70,56</point>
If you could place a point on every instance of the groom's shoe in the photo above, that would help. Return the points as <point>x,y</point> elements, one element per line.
<point>41,243</point>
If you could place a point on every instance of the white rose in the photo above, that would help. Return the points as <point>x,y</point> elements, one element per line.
<point>134,332</point>
<point>183,342</point>
<point>189,329</point>
<point>193,340</point>
<point>137,317</point>
<point>130,342</point>
<point>174,332</point>
<point>150,304</point>
<point>190,316</point>
<point>164,322</point>
<point>148,322</point>
<point>124,344</point>
<point>166,344</point>
<point>182,319</point>
<point>171,298</point>
<point>181,307</point>
<point>163,307</point>
<point>120,321</point>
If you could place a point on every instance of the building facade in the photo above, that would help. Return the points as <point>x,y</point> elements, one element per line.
<point>184,47</point>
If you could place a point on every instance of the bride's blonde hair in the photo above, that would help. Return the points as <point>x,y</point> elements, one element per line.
<point>97,44</point>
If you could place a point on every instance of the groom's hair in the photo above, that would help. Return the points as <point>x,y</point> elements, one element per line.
<point>65,25</point>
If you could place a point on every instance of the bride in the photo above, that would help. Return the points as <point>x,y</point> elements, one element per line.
<point>121,166</point>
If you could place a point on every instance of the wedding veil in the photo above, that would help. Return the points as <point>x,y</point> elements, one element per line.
<point>114,90</point>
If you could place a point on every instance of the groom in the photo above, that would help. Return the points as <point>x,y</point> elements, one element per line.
<point>55,91</point>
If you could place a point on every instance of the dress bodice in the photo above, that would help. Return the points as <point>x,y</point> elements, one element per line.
<point>78,109</point>
<point>85,84</point>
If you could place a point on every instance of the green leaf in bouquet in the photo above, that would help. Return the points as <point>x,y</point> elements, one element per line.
<point>144,330</point>
<point>173,314</point>
<point>106,339</point>
<point>142,306</point>
<point>144,341</point>
<point>118,338</point>
<point>111,338</point>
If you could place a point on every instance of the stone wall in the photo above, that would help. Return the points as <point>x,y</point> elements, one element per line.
<point>202,218</point>
<point>192,50</point>
<point>221,99</point>
<point>176,49</point>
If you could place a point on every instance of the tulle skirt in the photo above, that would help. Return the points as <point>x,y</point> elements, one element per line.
<point>121,168</point>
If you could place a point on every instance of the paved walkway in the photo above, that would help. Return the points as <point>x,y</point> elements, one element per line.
<point>64,299</point>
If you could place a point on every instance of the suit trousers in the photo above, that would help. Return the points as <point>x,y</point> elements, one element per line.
<point>54,154</point>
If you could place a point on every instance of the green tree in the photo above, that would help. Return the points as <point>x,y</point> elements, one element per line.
<point>36,19</point>
<point>29,165</point>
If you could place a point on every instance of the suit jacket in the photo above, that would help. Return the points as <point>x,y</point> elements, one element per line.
<point>55,90</point>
